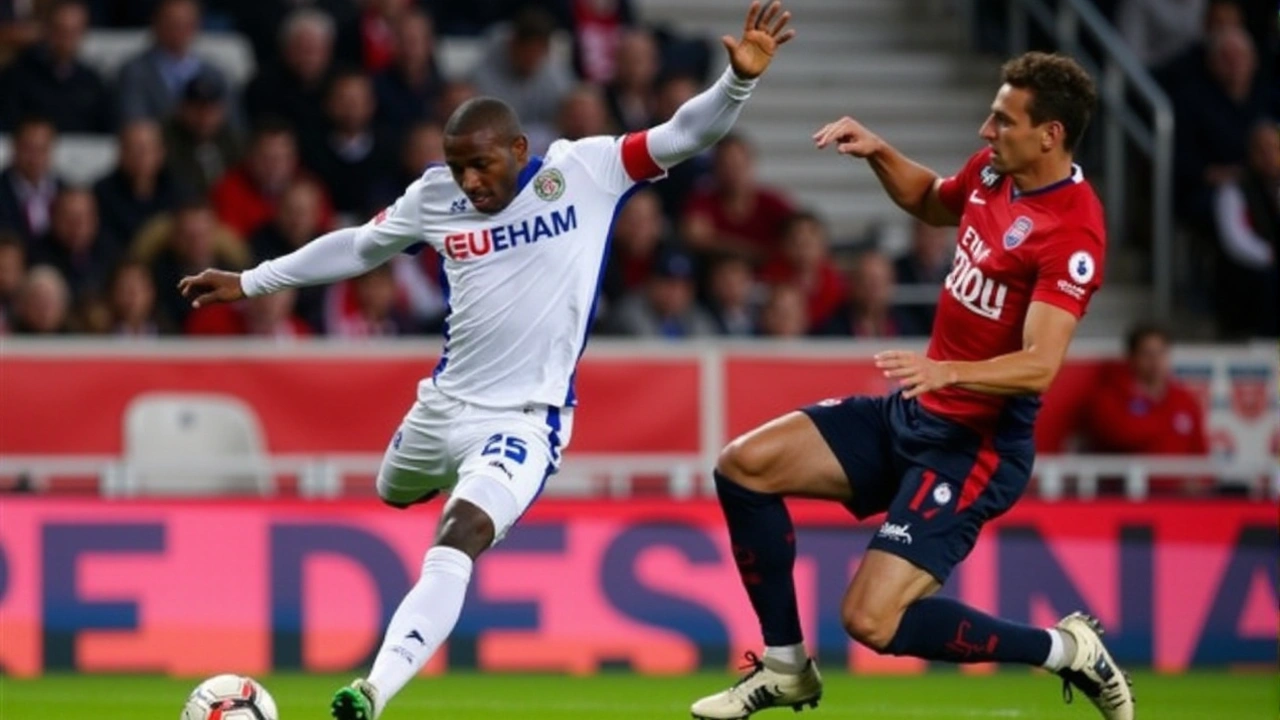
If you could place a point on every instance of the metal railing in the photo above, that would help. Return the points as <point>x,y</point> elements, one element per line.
<point>1122,76</point>
<point>676,476</point>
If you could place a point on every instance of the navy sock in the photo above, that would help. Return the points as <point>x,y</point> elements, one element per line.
<point>938,628</point>
<point>764,547</point>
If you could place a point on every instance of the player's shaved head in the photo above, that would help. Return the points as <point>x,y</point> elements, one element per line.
<point>485,150</point>
<point>481,114</point>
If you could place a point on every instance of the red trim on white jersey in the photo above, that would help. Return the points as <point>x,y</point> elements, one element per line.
<point>636,159</point>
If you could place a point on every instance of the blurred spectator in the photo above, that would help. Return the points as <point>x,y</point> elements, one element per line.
<point>43,305</point>
<point>929,259</point>
<point>1247,214</point>
<point>785,314</point>
<point>451,97</point>
<point>131,303</point>
<point>518,67</point>
<point>352,156</point>
<point>201,143</point>
<point>1159,30</point>
<point>140,186</point>
<point>408,89</point>
<point>49,79</point>
<point>298,221</point>
<point>1213,121</point>
<point>927,262</point>
<point>681,180</point>
<point>295,89</point>
<point>1188,66</point>
<point>19,26</point>
<point>151,83</point>
<point>582,114</point>
<point>246,196</point>
<point>668,307</point>
<point>262,23</point>
<point>630,94</point>
<point>76,245</point>
<point>423,145</point>
<point>262,316</point>
<point>637,236</point>
<point>13,264</point>
<point>805,263</point>
<point>870,312</point>
<point>598,29</point>
<point>1139,407</point>
<point>735,213</point>
<point>367,306</point>
<point>379,21</point>
<point>731,290</point>
<point>28,186</point>
<point>183,243</point>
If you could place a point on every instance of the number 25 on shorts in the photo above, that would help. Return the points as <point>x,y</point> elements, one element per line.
<point>509,446</point>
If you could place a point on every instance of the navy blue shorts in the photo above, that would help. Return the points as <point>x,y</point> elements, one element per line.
<point>939,481</point>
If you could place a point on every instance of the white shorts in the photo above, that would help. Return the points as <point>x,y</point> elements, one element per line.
<point>498,460</point>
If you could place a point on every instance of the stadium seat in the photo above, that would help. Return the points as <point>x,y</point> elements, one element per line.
<point>78,159</point>
<point>106,50</point>
<point>184,436</point>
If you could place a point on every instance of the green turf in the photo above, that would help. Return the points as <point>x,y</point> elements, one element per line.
<point>1200,696</point>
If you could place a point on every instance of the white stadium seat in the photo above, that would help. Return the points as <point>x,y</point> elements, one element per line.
<point>194,444</point>
<point>106,50</point>
<point>78,159</point>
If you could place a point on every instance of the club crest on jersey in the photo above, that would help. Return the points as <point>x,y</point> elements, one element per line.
<point>549,184</point>
<point>1081,267</point>
<point>1017,232</point>
<point>989,177</point>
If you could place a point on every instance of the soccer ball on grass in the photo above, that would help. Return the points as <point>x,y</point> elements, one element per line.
<point>230,697</point>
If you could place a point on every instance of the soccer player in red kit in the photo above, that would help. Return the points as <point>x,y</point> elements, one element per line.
<point>952,447</point>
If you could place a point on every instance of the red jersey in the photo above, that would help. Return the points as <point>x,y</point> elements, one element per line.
<point>1122,418</point>
<point>1012,249</point>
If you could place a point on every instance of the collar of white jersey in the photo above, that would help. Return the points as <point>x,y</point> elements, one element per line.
<point>527,172</point>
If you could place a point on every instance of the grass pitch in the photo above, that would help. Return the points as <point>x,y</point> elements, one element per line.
<point>471,696</point>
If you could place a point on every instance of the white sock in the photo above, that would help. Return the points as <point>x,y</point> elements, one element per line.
<point>424,619</point>
<point>787,658</point>
<point>1057,659</point>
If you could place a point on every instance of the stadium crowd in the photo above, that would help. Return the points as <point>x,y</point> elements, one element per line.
<point>347,104</point>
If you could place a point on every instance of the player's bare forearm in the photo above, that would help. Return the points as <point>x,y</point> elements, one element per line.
<point>1046,334</point>
<point>911,186</point>
<point>1025,372</point>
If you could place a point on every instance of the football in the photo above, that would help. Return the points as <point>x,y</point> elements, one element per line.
<point>230,697</point>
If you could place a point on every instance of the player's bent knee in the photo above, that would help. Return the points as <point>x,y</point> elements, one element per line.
<point>872,629</point>
<point>465,527</point>
<point>746,462</point>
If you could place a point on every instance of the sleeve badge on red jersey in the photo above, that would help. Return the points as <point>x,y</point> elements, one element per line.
<point>1081,267</point>
<point>1018,232</point>
<point>989,177</point>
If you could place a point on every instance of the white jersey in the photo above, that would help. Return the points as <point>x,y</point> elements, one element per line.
<point>521,284</point>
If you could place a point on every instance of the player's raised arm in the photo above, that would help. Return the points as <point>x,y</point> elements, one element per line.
<point>333,256</point>
<point>913,187</point>
<point>707,117</point>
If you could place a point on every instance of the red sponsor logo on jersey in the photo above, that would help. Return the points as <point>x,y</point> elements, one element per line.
<point>967,282</point>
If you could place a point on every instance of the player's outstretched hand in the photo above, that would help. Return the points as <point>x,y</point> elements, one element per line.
<point>211,286</point>
<point>761,36</point>
<point>850,137</point>
<point>916,374</point>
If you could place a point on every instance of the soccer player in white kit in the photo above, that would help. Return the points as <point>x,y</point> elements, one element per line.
<point>523,240</point>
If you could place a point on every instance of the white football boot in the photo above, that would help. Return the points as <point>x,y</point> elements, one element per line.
<point>1093,671</point>
<point>761,688</point>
